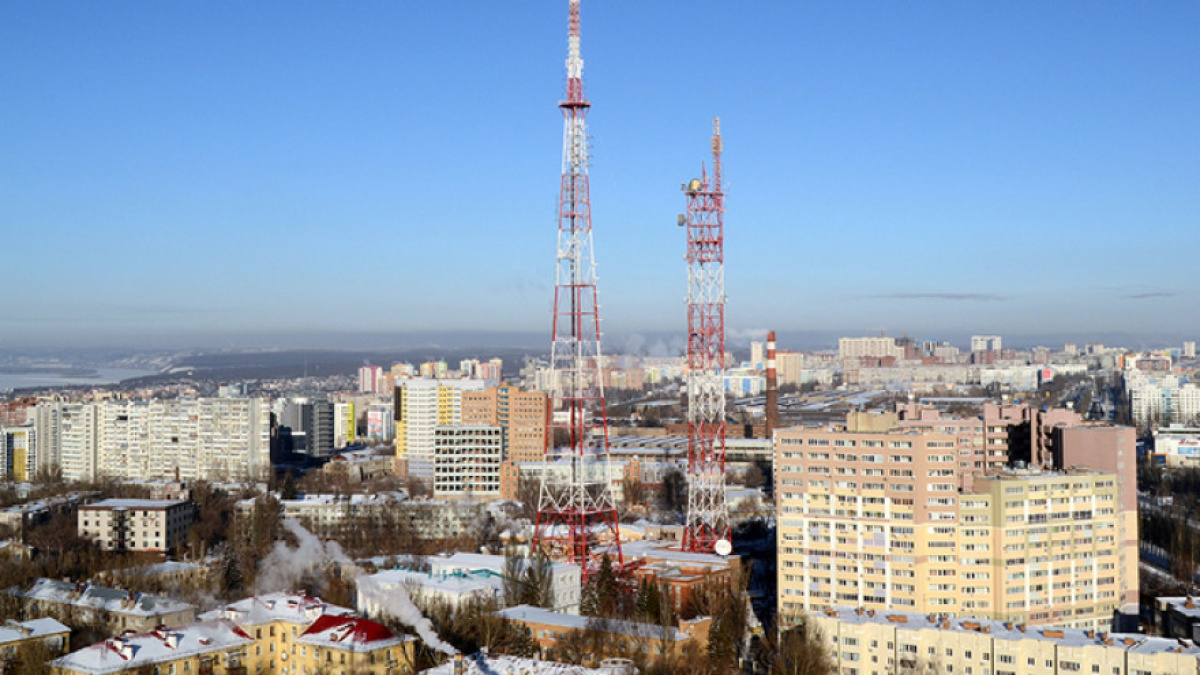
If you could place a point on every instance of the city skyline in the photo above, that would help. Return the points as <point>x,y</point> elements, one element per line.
<point>231,174</point>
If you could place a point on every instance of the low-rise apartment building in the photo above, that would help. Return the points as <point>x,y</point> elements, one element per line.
<point>21,640</point>
<point>207,648</point>
<point>117,609</point>
<point>149,525</point>
<point>872,642</point>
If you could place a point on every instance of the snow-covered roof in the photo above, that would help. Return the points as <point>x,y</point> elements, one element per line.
<point>284,606</point>
<point>130,504</point>
<point>15,631</point>
<point>1066,637</point>
<point>350,634</point>
<point>108,599</point>
<point>659,550</point>
<point>481,561</point>
<point>531,614</point>
<point>479,664</point>
<point>448,583</point>
<point>130,651</point>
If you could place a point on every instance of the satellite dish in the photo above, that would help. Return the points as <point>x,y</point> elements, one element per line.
<point>723,547</point>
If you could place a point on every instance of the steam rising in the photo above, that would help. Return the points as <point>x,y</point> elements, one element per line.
<point>285,566</point>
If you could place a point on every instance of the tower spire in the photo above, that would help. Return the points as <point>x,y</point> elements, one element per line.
<point>577,514</point>
<point>707,528</point>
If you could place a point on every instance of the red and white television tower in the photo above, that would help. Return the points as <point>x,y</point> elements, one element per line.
<point>707,528</point>
<point>577,519</point>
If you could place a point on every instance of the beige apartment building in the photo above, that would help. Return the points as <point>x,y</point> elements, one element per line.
<point>868,642</point>
<point>521,414</point>
<point>151,525</point>
<point>879,520</point>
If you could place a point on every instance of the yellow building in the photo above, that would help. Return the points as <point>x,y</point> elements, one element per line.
<point>877,520</point>
<point>275,621</point>
<point>343,645</point>
<point>17,449</point>
<point>36,638</point>
<point>421,406</point>
<point>205,648</point>
<point>869,642</point>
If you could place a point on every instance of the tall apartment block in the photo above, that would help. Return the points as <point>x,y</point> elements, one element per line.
<point>18,447</point>
<point>422,405</point>
<point>883,520</point>
<point>523,415</point>
<point>203,439</point>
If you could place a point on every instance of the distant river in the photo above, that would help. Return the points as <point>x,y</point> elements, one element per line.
<point>51,379</point>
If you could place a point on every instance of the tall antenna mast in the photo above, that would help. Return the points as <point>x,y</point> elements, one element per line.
<point>577,518</point>
<point>707,528</point>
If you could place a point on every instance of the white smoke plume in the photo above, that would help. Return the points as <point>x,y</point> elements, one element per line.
<point>285,566</point>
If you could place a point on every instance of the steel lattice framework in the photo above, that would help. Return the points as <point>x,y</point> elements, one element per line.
<point>707,516</point>
<point>577,518</point>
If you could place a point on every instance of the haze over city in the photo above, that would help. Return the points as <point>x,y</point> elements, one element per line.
<point>308,174</point>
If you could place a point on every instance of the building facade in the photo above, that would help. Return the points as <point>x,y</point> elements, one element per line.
<point>148,525</point>
<point>877,520</point>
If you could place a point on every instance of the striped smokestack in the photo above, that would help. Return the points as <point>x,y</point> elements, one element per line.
<point>772,387</point>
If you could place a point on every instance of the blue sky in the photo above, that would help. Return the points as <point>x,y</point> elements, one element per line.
<point>232,172</point>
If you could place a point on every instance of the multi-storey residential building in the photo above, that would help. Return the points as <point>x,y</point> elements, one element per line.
<point>18,452</point>
<point>307,426</point>
<point>422,405</point>
<point>869,347</point>
<point>877,519</point>
<point>345,424</point>
<point>467,461</point>
<point>77,433</point>
<point>117,609</point>
<point>878,642</point>
<point>204,439</point>
<point>207,648</point>
<point>150,525</point>
<point>522,415</point>
<point>349,645</point>
<point>21,639</point>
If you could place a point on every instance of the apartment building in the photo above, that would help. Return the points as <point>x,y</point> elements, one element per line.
<point>879,520</point>
<point>202,439</point>
<point>18,451</point>
<point>148,525</point>
<point>421,406</point>
<point>876,642</point>
<point>869,347</point>
<point>467,460</point>
<point>207,648</point>
<point>522,415</point>
<point>18,638</point>
<point>117,609</point>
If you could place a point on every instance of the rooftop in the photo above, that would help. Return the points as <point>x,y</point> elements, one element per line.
<point>492,664</point>
<point>1065,637</point>
<point>97,597</point>
<point>530,614</point>
<point>127,652</point>
<point>15,631</point>
<point>144,504</point>
<point>349,633</point>
<point>290,607</point>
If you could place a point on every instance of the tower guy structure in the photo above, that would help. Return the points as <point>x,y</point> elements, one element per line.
<point>707,528</point>
<point>576,515</point>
